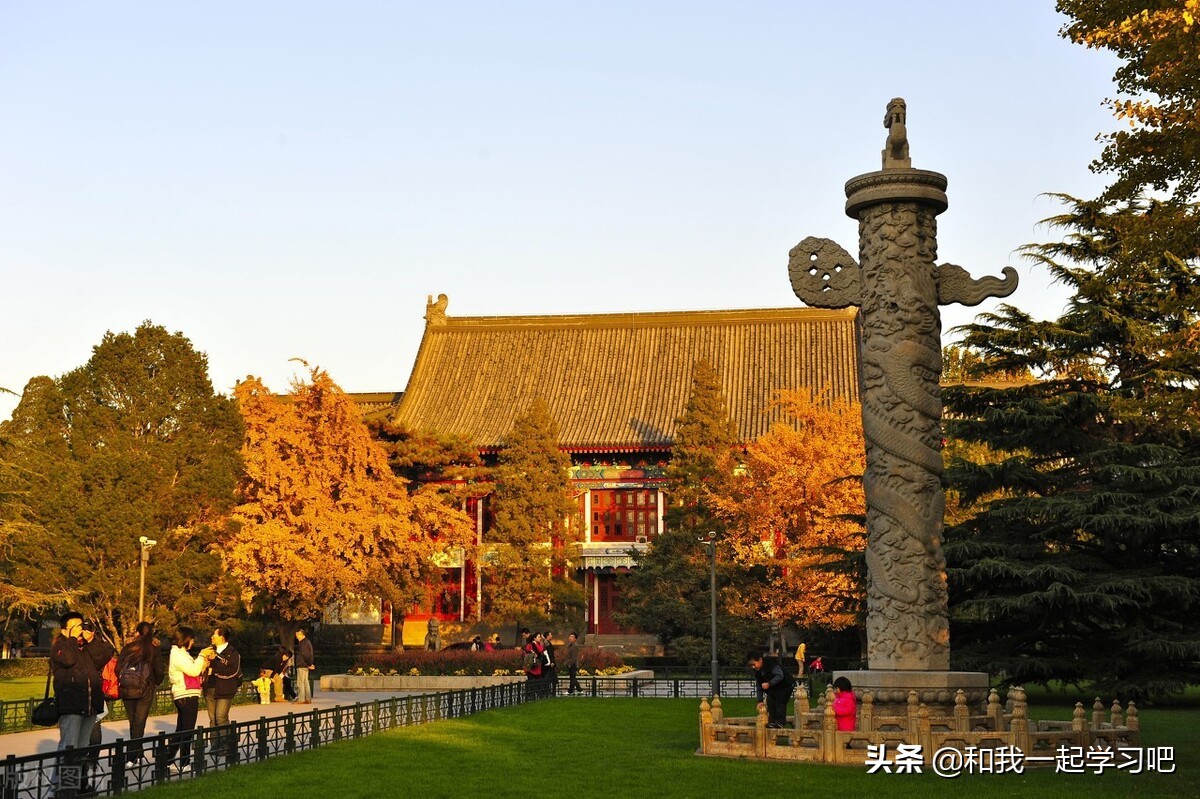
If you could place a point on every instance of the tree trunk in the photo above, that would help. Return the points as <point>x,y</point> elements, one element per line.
<point>287,631</point>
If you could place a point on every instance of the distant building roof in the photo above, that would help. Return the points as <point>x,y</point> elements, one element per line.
<point>376,403</point>
<point>617,382</point>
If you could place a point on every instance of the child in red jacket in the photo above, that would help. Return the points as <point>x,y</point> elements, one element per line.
<point>845,706</point>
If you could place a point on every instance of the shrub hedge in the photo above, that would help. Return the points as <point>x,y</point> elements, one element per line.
<point>467,663</point>
<point>24,667</point>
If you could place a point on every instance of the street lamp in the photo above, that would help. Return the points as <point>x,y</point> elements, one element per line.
<point>711,543</point>
<point>147,545</point>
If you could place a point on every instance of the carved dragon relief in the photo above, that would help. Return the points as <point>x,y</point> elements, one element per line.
<point>898,287</point>
<point>824,275</point>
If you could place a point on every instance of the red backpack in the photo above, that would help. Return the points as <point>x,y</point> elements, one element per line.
<point>108,680</point>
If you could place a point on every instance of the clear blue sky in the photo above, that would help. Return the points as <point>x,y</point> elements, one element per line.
<point>279,179</point>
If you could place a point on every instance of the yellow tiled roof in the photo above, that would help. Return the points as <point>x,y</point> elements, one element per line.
<point>619,381</point>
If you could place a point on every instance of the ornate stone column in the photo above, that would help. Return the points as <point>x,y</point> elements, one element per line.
<point>898,286</point>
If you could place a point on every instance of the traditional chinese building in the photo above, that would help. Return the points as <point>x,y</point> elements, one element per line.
<point>615,384</point>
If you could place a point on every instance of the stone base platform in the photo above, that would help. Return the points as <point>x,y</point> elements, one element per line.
<point>935,689</point>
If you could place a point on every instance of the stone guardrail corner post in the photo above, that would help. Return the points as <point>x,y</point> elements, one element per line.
<point>995,711</point>
<point>706,727</point>
<point>962,713</point>
<point>1097,713</point>
<point>1079,724</point>
<point>924,730</point>
<point>829,747</point>
<point>897,286</point>
<point>1115,714</point>
<point>866,712</point>
<point>760,730</point>
<point>800,695</point>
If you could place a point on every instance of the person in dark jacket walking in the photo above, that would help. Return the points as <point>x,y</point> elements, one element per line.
<point>776,684</point>
<point>140,670</point>
<point>221,686</point>
<point>570,659</point>
<point>76,678</point>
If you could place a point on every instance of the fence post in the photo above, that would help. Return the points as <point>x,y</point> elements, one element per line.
<point>160,758</point>
<point>595,687</point>
<point>636,687</point>
<point>289,734</point>
<point>357,720</point>
<point>337,724</point>
<point>315,728</point>
<point>117,780</point>
<point>199,753</point>
<point>12,778</point>
<point>262,752</point>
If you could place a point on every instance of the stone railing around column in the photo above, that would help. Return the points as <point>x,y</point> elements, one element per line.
<point>813,735</point>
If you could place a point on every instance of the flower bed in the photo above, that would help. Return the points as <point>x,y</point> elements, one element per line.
<point>465,663</point>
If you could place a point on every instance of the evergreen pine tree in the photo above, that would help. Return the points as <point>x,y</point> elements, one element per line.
<point>1083,562</point>
<point>133,443</point>
<point>529,576</point>
<point>668,592</point>
<point>1087,566</point>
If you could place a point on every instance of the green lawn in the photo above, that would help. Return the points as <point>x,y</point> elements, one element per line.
<point>641,748</point>
<point>22,687</point>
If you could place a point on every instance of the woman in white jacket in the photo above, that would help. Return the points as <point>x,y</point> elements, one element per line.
<point>185,675</point>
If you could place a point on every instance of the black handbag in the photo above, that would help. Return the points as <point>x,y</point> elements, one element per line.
<point>46,712</point>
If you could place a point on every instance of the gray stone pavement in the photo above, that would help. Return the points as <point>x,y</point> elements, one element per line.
<point>46,739</point>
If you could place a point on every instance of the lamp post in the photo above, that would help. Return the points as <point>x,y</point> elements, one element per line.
<point>147,544</point>
<point>711,543</point>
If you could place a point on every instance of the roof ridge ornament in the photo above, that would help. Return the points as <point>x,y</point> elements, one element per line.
<point>895,150</point>
<point>435,312</point>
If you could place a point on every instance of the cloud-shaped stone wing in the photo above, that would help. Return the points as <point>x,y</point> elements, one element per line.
<point>824,275</point>
<point>955,285</point>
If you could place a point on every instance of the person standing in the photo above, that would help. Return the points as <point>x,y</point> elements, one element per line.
<point>224,679</point>
<point>550,672</point>
<point>184,672</point>
<point>845,705</point>
<point>101,652</point>
<point>571,661</point>
<point>278,666</point>
<point>304,667</point>
<point>77,691</point>
<point>139,673</point>
<point>531,661</point>
<point>776,685</point>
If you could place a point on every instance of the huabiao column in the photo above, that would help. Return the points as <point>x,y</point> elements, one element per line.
<point>898,286</point>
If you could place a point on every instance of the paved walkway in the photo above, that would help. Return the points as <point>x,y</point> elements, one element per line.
<point>46,739</point>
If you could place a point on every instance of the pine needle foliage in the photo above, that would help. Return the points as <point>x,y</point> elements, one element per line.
<point>1083,563</point>
<point>133,443</point>
<point>529,564</point>
<point>668,593</point>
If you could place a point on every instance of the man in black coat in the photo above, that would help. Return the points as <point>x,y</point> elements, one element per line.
<point>100,651</point>
<point>304,666</point>
<point>76,677</point>
<point>776,684</point>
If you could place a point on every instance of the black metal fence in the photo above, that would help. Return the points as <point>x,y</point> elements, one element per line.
<point>15,713</point>
<point>111,769</point>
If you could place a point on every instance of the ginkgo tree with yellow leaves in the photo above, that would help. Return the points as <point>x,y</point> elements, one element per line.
<point>795,509</point>
<point>321,514</point>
